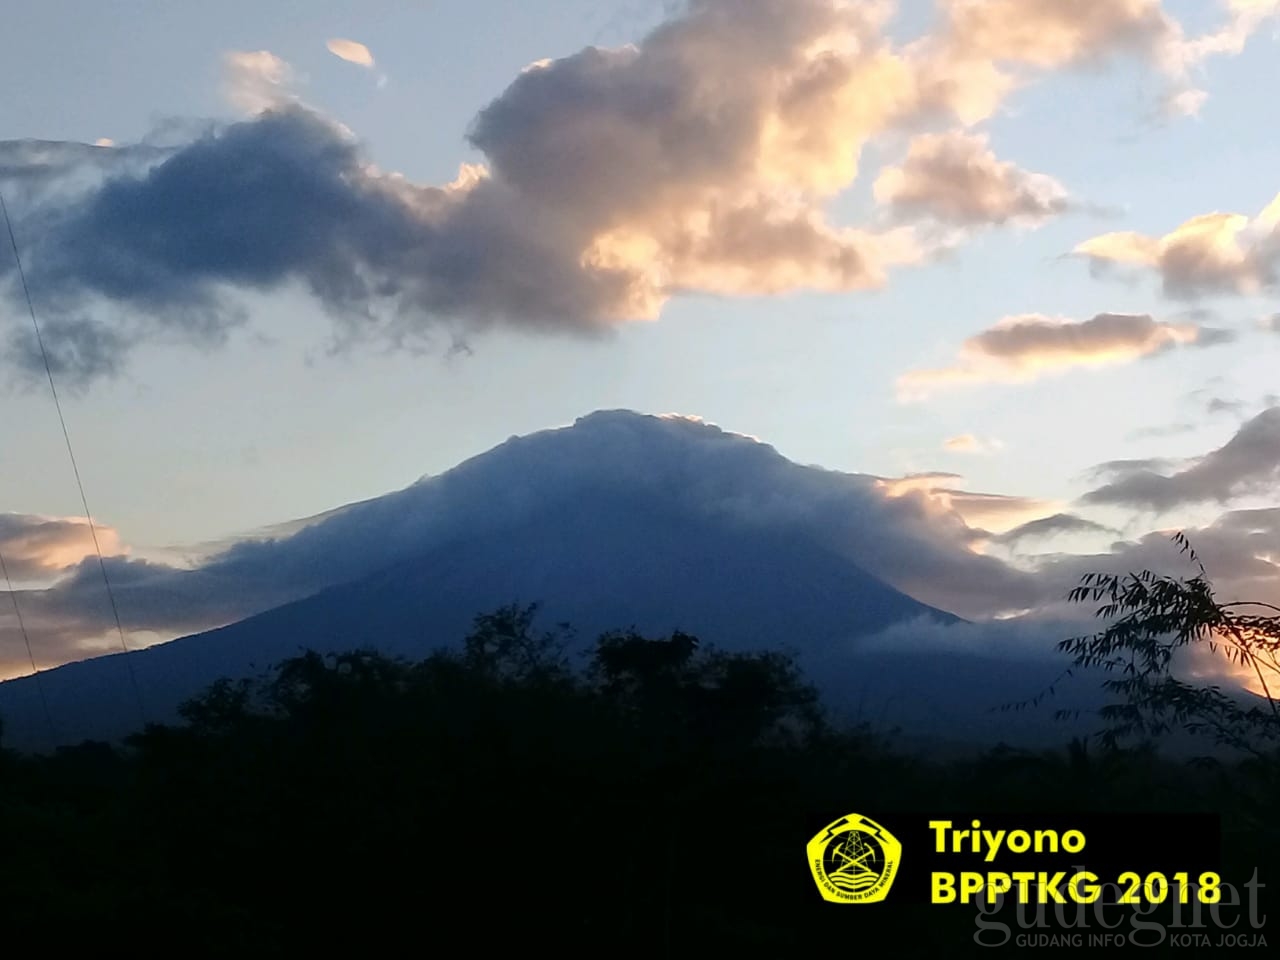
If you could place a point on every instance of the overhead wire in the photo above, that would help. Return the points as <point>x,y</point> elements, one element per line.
<point>75,468</point>
<point>26,638</point>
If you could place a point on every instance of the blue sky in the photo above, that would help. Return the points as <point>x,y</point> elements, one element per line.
<point>1119,118</point>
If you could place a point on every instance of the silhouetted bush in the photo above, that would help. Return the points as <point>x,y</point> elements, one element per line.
<point>655,803</point>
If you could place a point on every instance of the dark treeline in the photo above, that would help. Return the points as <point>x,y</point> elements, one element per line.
<point>652,802</point>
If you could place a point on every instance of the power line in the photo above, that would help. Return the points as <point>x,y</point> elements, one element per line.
<point>75,469</point>
<point>26,638</point>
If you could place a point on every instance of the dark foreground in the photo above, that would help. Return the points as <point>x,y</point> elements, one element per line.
<point>655,803</point>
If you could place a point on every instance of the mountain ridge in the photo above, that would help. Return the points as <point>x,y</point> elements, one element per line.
<point>620,521</point>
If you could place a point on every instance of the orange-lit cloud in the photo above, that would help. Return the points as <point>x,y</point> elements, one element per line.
<point>989,512</point>
<point>1051,34</point>
<point>1022,348</point>
<point>969,443</point>
<point>37,548</point>
<point>708,157</point>
<point>1210,253</point>
<point>1223,667</point>
<point>351,51</point>
<point>956,177</point>
<point>257,80</point>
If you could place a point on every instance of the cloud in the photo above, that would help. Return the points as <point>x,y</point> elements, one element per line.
<point>78,350</point>
<point>1246,464</point>
<point>1213,253</point>
<point>1122,467</point>
<point>37,547</point>
<point>1165,430</point>
<point>920,533</point>
<point>700,160</point>
<point>902,531</point>
<point>351,51</point>
<point>1051,34</point>
<point>955,177</point>
<point>704,159</point>
<point>34,164</point>
<point>1244,18</point>
<point>1240,550</point>
<point>257,80</point>
<point>968,443</point>
<point>1051,526</point>
<point>1223,405</point>
<point>980,510</point>
<point>1025,347</point>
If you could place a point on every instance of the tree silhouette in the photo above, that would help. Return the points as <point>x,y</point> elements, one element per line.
<point>652,803</point>
<point>1155,616</point>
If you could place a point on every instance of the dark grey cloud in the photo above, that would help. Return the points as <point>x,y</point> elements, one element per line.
<point>288,197</point>
<point>1238,549</point>
<point>1223,405</point>
<point>1130,465</point>
<point>1044,527</point>
<point>1167,430</point>
<point>78,349</point>
<point>35,163</point>
<point>1248,463</point>
<point>37,160</point>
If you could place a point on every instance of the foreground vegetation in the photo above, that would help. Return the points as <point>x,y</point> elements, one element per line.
<point>655,803</point>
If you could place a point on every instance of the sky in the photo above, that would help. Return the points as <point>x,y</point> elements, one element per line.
<point>1022,253</point>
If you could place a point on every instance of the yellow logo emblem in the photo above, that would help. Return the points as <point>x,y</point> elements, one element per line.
<point>854,860</point>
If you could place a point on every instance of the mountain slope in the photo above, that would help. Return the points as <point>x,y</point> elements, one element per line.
<point>609,562</point>
<point>620,520</point>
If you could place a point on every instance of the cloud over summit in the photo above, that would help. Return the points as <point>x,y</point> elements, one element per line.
<point>909,533</point>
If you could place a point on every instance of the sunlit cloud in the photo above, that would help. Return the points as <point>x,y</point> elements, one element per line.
<point>1208,254</point>
<point>1023,348</point>
<point>985,512</point>
<point>706,158</point>
<point>351,51</point>
<point>969,443</point>
<point>37,547</point>
<point>955,177</point>
<point>258,80</point>
<point>1052,34</point>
